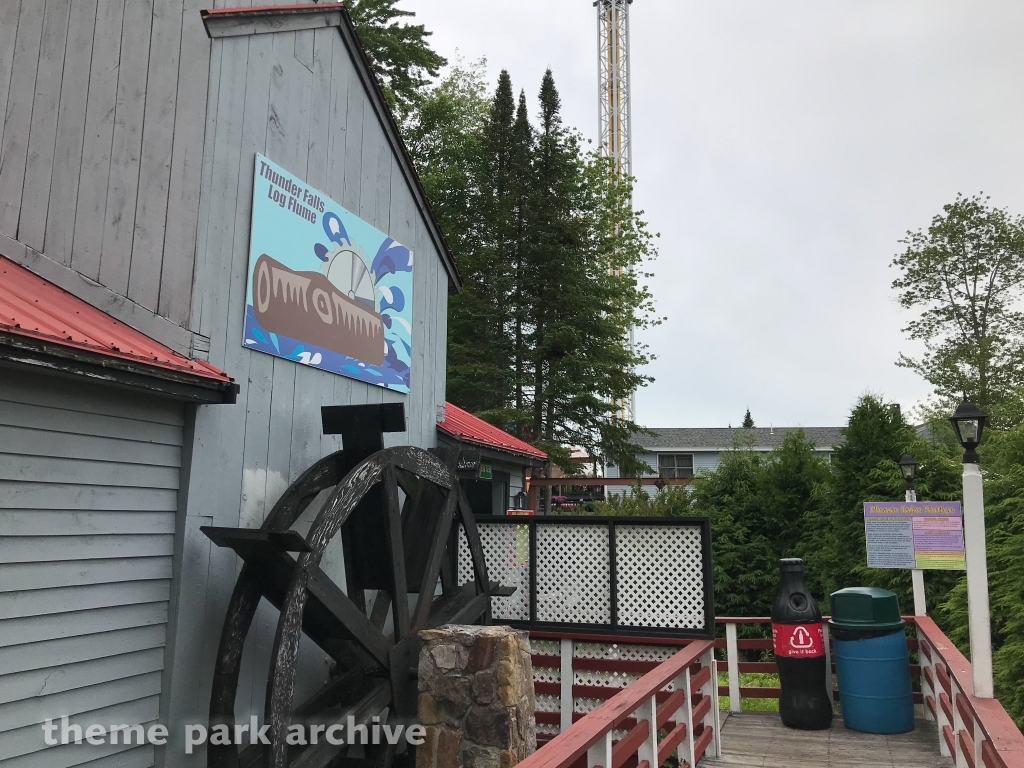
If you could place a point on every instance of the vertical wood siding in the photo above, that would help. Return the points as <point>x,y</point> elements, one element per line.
<point>102,113</point>
<point>89,483</point>
<point>297,98</point>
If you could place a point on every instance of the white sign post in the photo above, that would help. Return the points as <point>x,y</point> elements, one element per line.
<point>917,575</point>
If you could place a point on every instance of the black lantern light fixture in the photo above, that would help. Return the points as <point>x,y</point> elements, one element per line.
<point>968,423</point>
<point>908,466</point>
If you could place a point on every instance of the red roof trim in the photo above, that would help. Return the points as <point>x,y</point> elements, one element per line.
<point>472,429</point>
<point>36,308</point>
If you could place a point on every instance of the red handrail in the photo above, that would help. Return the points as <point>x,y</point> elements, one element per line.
<point>565,748</point>
<point>1005,743</point>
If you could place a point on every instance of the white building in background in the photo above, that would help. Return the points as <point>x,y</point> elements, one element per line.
<point>682,453</point>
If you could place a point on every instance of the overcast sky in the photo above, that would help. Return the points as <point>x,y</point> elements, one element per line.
<point>781,149</point>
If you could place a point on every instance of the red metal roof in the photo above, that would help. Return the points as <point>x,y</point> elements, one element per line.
<point>469,428</point>
<point>34,307</point>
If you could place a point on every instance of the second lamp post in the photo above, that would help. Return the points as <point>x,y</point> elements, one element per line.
<point>908,466</point>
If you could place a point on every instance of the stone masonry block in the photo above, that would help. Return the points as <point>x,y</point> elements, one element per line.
<point>476,698</point>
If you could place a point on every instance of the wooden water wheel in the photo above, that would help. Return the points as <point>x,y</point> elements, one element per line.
<point>400,550</point>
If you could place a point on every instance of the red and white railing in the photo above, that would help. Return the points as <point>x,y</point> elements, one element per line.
<point>734,667</point>
<point>975,732</point>
<point>677,696</point>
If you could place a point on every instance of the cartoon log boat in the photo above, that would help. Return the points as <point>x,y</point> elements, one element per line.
<point>306,306</point>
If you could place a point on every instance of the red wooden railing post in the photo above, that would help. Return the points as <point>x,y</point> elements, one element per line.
<point>958,724</point>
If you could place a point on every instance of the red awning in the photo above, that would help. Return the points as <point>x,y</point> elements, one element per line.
<point>468,428</point>
<point>37,318</point>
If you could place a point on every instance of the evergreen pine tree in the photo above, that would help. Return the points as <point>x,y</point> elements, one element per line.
<point>399,54</point>
<point>522,144</point>
<point>546,240</point>
<point>748,421</point>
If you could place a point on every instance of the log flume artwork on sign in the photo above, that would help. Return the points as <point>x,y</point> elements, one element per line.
<point>313,296</point>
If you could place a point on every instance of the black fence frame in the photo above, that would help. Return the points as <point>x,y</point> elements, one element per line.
<point>613,628</point>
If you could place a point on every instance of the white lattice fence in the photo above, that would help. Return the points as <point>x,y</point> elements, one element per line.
<point>601,574</point>
<point>573,574</point>
<point>507,554</point>
<point>660,576</point>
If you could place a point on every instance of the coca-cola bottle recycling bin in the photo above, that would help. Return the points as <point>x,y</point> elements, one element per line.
<point>800,652</point>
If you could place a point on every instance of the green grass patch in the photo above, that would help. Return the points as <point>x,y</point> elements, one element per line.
<point>751,680</point>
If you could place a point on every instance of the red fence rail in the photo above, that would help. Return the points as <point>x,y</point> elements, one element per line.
<point>677,697</point>
<point>975,732</point>
<point>734,667</point>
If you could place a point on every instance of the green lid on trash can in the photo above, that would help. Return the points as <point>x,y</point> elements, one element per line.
<point>865,608</point>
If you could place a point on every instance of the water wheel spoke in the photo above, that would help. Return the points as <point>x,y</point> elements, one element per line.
<point>379,612</point>
<point>396,551</point>
<point>473,539</point>
<point>438,550</point>
<point>346,613</point>
<point>465,607</point>
<point>319,755</point>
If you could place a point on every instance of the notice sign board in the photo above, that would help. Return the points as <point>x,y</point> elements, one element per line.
<point>914,534</point>
<point>326,289</point>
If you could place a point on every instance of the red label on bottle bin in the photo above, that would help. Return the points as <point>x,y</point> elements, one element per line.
<point>798,640</point>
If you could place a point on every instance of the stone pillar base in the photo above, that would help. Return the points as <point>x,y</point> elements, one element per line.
<point>476,697</point>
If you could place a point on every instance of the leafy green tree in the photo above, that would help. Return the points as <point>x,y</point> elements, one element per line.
<point>399,54</point>
<point>757,503</point>
<point>965,276</point>
<point>864,468</point>
<point>748,420</point>
<point>444,134</point>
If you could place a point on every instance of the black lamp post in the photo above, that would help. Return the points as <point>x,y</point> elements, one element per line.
<point>908,466</point>
<point>968,422</point>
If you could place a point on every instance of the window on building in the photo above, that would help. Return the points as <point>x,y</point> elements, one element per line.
<point>675,465</point>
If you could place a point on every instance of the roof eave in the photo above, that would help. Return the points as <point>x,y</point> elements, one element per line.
<point>528,459</point>
<point>29,353</point>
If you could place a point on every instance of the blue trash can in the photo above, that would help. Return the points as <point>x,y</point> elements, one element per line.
<point>869,643</point>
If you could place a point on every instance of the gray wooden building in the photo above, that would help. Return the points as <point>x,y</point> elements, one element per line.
<point>127,154</point>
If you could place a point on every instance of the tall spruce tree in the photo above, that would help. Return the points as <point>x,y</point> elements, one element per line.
<point>549,248</point>
<point>748,420</point>
<point>522,165</point>
<point>583,297</point>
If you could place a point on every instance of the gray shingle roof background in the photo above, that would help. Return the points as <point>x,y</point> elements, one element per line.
<point>722,438</point>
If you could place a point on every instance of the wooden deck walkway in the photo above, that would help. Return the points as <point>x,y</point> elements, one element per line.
<point>759,740</point>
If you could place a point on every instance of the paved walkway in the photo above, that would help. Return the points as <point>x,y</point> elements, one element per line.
<point>759,740</point>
